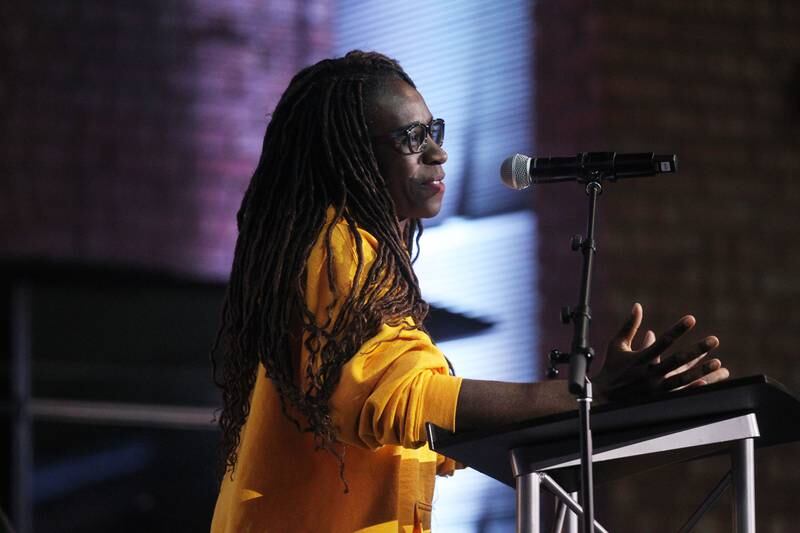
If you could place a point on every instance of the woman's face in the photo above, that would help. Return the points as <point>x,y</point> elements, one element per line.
<point>415,180</point>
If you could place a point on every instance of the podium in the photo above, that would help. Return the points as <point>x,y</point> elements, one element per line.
<point>732,417</point>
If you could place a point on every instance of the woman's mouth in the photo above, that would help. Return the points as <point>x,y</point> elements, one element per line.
<point>436,186</point>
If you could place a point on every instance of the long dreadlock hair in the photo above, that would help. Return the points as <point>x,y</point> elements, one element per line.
<point>317,153</point>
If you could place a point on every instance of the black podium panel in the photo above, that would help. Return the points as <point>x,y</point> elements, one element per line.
<point>776,409</point>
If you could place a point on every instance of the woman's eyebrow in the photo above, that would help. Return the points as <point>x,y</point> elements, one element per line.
<point>414,123</point>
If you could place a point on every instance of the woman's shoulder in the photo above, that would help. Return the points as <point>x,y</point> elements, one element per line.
<point>340,258</point>
<point>342,240</point>
<point>346,237</point>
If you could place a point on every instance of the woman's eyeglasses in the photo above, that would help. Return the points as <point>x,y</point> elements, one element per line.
<point>414,137</point>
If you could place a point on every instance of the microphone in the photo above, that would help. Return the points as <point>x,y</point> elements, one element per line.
<point>520,171</point>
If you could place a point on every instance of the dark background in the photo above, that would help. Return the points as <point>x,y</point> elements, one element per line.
<point>124,160</point>
<point>717,83</point>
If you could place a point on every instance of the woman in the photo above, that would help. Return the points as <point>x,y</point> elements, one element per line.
<point>322,343</point>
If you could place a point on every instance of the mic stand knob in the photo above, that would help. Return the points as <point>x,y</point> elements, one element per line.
<point>556,357</point>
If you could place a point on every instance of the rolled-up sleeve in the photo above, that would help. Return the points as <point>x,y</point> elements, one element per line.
<point>391,388</point>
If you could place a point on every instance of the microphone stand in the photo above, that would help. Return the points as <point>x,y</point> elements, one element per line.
<point>580,355</point>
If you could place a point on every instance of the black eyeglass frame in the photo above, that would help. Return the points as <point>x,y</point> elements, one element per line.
<point>404,134</point>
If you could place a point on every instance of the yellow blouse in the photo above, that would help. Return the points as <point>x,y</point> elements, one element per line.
<point>396,382</point>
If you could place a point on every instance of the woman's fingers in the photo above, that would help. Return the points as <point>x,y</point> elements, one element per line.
<point>625,335</point>
<point>682,361</point>
<point>649,370</point>
<point>649,339</point>
<point>721,374</point>
<point>709,372</point>
<point>667,339</point>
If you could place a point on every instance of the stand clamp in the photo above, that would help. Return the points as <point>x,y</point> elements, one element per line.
<point>557,357</point>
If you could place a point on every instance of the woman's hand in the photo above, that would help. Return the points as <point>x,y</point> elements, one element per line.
<point>630,374</point>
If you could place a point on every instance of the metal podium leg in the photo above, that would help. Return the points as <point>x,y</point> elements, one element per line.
<point>570,500</point>
<point>572,518</point>
<point>564,515</point>
<point>528,490</point>
<point>744,486</point>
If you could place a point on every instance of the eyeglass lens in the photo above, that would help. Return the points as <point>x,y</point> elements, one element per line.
<point>419,134</point>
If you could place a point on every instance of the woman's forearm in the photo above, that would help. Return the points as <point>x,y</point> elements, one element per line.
<point>486,404</point>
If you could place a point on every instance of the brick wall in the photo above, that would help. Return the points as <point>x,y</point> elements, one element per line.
<point>717,83</point>
<point>131,129</point>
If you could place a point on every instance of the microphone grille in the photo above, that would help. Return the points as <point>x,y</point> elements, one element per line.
<point>515,172</point>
